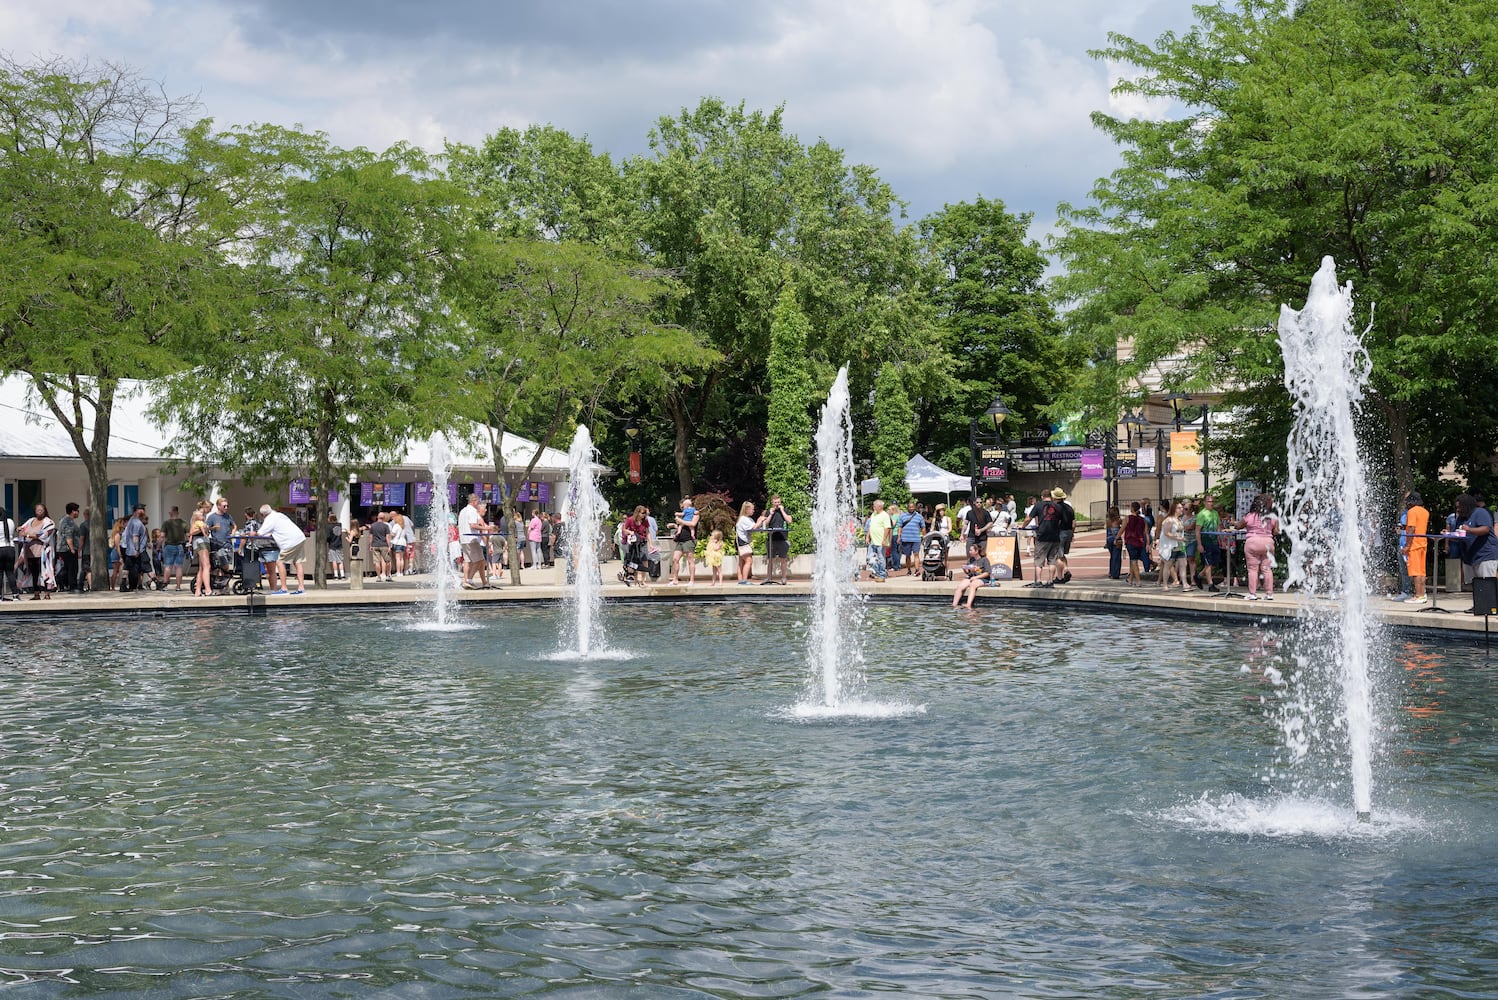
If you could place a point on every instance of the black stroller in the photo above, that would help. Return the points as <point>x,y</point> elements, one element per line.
<point>221,568</point>
<point>934,557</point>
<point>634,560</point>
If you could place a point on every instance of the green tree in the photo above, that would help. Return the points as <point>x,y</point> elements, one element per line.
<point>788,443</point>
<point>997,323</point>
<point>1358,129</point>
<point>731,203</point>
<point>549,329</point>
<point>120,210</point>
<point>343,282</point>
<point>894,434</point>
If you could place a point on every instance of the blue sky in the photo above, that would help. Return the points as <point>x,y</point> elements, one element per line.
<point>949,99</point>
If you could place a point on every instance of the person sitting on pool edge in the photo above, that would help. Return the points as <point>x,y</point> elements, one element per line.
<point>975,572</point>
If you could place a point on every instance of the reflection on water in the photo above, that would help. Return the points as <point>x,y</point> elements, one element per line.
<point>241,808</point>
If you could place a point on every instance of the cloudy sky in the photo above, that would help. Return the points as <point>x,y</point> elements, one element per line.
<point>949,99</point>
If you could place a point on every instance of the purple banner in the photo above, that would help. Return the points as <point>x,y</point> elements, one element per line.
<point>301,491</point>
<point>334,497</point>
<point>1092,463</point>
<point>423,494</point>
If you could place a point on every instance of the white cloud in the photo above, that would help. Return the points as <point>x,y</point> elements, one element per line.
<point>1133,106</point>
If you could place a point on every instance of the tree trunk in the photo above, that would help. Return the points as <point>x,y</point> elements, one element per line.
<point>681,445</point>
<point>1398,416</point>
<point>322,473</point>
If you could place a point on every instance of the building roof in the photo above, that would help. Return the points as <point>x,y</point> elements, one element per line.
<point>29,431</point>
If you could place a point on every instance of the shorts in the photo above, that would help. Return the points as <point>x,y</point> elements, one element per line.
<point>1136,552</point>
<point>1191,550</point>
<point>173,555</point>
<point>293,552</point>
<point>909,548</point>
<point>335,557</point>
<point>1066,537</point>
<point>199,544</point>
<point>689,546</point>
<point>1415,563</point>
<point>400,548</point>
<point>1046,553</point>
<point>473,552</point>
<point>780,548</point>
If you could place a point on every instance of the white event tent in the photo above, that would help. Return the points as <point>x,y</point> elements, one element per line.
<point>925,476</point>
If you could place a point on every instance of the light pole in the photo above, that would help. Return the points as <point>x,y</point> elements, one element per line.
<point>990,464</point>
<point>632,431</point>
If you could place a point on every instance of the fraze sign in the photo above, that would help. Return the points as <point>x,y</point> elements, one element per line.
<point>993,465</point>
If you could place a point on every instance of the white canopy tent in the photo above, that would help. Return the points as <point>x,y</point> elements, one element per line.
<point>925,476</point>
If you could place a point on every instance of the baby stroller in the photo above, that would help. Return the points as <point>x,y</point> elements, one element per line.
<point>934,557</point>
<point>220,567</point>
<point>634,560</point>
<point>252,564</point>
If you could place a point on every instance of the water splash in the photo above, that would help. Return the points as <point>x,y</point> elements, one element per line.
<point>444,576</point>
<point>583,634</point>
<point>1326,369</point>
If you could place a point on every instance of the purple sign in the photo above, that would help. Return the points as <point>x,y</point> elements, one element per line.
<point>423,494</point>
<point>1092,463</point>
<point>534,493</point>
<point>334,497</point>
<point>301,491</point>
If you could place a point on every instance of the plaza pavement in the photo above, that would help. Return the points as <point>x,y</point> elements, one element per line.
<point>1089,588</point>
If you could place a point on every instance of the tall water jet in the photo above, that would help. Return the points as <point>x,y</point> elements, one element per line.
<point>837,610</point>
<point>583,512</point>
<point>1326,369</point>
<point>444,577</point>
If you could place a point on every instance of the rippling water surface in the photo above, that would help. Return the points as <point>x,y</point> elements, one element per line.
<point>336,805</point>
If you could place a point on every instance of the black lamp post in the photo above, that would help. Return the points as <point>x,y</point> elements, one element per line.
<point>1178,401</point>
<point>988,453</point>
<point>632,431</point>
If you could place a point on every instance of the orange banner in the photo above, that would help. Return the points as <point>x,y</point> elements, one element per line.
<point>1184,456</point>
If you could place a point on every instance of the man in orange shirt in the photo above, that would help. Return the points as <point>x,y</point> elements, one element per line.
<point>1417,523</point>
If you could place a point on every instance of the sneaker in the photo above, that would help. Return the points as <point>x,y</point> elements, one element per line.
<point>1401,597</point>
<point>280,593</point>
<point>1418,600</point>
<point>1214,588</point>
<point>297,593</point>
<point>1268,597</point>
<point>1252,597</point>
<point>1066,578</point>
<point>1048,586</point>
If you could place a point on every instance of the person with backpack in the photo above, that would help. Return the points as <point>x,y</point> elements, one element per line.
<point>1048,520</point>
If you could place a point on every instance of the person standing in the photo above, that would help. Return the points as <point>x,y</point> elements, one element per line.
<point>1048,519</point>
<point>880,527</point>
<point>199,541</point>
<point>1136,538</point>
<point>1261,526</point>
<point>37,535</point>
<point>334,535</point>
<point>8,591</point>
<point>472,530</point>
<point>1068,531</point>
<point>1113,542</point>
<point>779,543</point>
<point>1479,544</point>
<point>685,539</point>
<point>173,546</point>
<point>912,530</point>
<point>1417,526</point>
<point>134,543</point>
<point>744,541</point>
<point>291,545</point>
<point>220,522</point>
<point>68,550</point>
<point>1208,545</point>
<point>395,523</point>
<point>533,536</point>
<point>978,522</point>
<point>379,544</point>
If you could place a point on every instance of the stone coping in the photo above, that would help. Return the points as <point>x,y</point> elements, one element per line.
<point>540,585</point>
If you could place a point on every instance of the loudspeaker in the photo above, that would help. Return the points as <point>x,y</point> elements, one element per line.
<point>1484,596</point>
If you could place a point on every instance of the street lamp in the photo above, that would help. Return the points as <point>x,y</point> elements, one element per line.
<point>989,457</point>
<point>632,431</point>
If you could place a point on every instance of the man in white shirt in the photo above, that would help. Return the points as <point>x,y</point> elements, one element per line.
<point>291,541</point>
<point>472,530</point>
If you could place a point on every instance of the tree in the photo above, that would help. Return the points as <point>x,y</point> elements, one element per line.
<point>119,211</point>
<point>1355,128</point>
<point>732,204</point>
<point>894,434</point>
<point>997,323</point>
<point>343,284</point>
<point>788,445</point>
<point>549,328</point>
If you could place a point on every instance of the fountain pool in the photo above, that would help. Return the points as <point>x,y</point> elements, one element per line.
<point>328,805</point>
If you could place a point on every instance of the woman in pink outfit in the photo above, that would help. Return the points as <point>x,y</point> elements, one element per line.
<point>1258,547</point>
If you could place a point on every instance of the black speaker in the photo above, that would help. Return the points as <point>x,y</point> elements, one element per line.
<point>1484,595</point>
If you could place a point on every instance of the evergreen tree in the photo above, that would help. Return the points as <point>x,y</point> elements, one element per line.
<point>788,446</point>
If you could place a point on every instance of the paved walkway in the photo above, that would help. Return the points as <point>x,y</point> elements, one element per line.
<point>1090,586</point>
